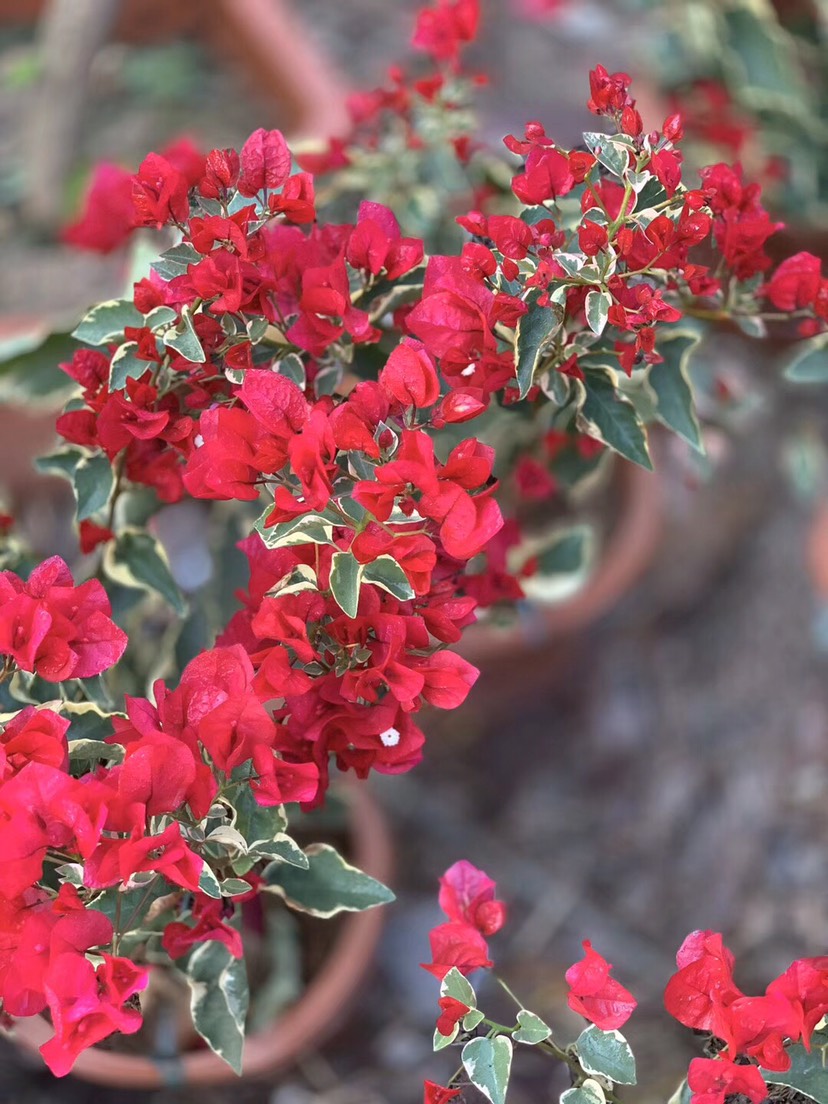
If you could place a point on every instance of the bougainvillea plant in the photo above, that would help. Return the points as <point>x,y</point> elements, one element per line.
<point>755,1045</point>
<point>328,390</point>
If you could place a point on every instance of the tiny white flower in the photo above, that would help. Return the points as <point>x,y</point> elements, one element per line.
<point>390,737</point>
<point>468,370</point>
<point>198,440</point>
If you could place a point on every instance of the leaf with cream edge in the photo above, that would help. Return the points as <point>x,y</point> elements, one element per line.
<point>808,1073</point>
<point>219,1000</point>
<point>345,578</point>
<point>385,572</point>
<point>809,361</point>
<point>488,1064</point>
<point>531,1029</point>
<point>590,1092</point>
<point>611,418</point>
<point>535,330</point>
<point>92,482</point>
<point>329,885</point>
<point>459,988</point>
<point>606,1053</point>
<point>106,322</point>
<point>184,340</point>
<point>597,310</point>
<point>669,381</point>
<point>137,559</point>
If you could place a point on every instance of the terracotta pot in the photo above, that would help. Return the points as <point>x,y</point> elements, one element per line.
<point>627,553</point>
<point>302,1026</point>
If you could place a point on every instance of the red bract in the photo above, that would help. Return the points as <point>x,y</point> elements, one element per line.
<point>795,283</point>
<point>159,193</point>
<point>377,244</point>
<point>108,216</point>
<point>609,92</point>
<point>33,736</point>
<point>437,1094</point>
<point>265,162</point>
<point>704,981</point>
<point>596,995</point>
<point>712,1079</point>
<point>410,375</point>
<point>458,945</point>
<point>451,1013</point>
<point>444,31</point>
<point>58,630</point>
<point>467,895</point>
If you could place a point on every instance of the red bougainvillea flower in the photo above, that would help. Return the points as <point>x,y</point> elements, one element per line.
<point>451,1013</point>
<point>458,945</point>
<point>712,1079</point>
<point>108,215</point>
<point>60,631</point>
<point>444,30</point>
<point>33,736</point>
<point>438,1094</point>
<point>467,896</point>
<point>596,995</point>
<point>704,981</point>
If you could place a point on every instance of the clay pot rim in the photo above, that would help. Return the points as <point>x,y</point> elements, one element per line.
<point>302,1026</point>
<point>627,553</point>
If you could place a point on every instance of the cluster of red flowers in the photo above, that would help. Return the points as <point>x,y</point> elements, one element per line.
<point>226,382</point>
<point>50,627</point>
<point>703,995</point>
<point>467,897</point>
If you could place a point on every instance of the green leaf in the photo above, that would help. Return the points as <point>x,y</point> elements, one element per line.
<point>597,310</point>
<point>612,155</point>
<point>90,751</point>
<point>29,367</point>
<point>184,340</point>
<point>346,573</point>
<point>219,1000</point>
<point>385,572</point>
<point>175,262</point>
<point>88,721</point>
<point>612,418</point>
<point>531,1028</point>
<point>293,368</point>
<point>473,1019</point>
<point>257,822</point>
<point>809,363</point>
<point>208,883</point>
<point>282,848</point>
<point>440,1042</point>
<point>534,330</point>
<point>63,462</point>
<point>682,1095</point>
<point>106,322</point>
<point>92,482</point>
<point>160,317</point>
<point>766,55</point>
<point>329,885</point>
<point>670,383</point>
<point>125,365</point>
<point>808,1073</point>
<point>488,1063</point>
<point>457,987</point>
<point>137,559</point>
<point>307,529</point>
<point>588,1093</point>
<point>234,887</point>
<point>606,1053</point>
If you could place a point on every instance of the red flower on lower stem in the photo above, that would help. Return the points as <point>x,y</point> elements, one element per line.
<point>596,995</point>
<point>437,1094</point>
<point>712,1079</point>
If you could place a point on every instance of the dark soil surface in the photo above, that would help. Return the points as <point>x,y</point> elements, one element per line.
<point>665,771</point>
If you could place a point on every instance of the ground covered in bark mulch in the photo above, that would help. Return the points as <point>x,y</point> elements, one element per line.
<point>665,771</point>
